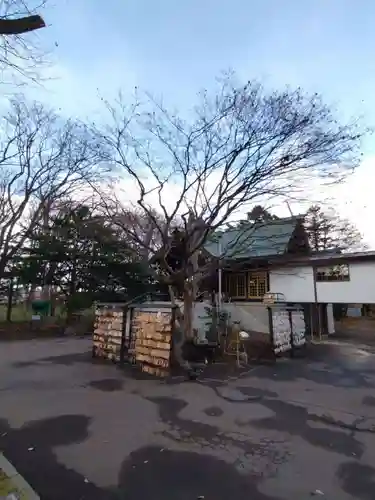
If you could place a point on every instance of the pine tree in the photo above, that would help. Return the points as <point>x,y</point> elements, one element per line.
<point>327,231</point>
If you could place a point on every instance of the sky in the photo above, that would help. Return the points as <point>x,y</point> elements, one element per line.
<point>174,49</point>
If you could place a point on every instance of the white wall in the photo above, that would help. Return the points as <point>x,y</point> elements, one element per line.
<point>252,316</point>
<point>296,283</point>
<point>359,289</point>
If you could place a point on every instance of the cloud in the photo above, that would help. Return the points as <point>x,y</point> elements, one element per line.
<point>352,199</point>
<point>77,93</point>
<point>355,199</point>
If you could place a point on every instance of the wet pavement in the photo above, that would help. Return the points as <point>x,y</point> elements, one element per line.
<point>82,430</point>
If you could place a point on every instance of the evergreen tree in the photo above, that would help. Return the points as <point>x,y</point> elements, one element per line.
<point>260,214</point>
<point>81,255</point>
<point>327,231</point>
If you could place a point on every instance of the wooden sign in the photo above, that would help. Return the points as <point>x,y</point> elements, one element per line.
<point>108,329</point>
<point>281,331</point>
<point>153,338</point>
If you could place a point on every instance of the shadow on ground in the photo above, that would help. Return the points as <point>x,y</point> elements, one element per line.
<point>107,384</point>
<point>145,473</point>
<point>61,359</point>
<point>179,475</point>
<point>295,421</point>
<point>357,480</point>
<point>31,449</point>
<point>335,365</point>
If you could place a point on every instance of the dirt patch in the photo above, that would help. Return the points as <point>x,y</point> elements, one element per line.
<point>26,330</point>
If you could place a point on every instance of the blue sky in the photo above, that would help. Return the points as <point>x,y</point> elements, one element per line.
<point>176,48</point>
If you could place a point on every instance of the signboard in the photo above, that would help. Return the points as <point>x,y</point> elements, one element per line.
<point>152,333</point>
<point>281,331</point>
<point>108,328</point>
<point>288,328</point>
<point>298,328</point>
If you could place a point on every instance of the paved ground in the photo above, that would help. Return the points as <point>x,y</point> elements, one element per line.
<point>78,430</point>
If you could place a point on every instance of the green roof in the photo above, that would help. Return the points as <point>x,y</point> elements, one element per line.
<point>253,239</point>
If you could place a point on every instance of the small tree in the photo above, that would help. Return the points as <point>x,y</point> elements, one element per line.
<point>243,147</point>
<point>327,231</point>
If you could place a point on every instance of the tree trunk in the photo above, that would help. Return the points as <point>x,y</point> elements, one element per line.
<point>188,310</point>
<point>72,290</point>
<point>10,301</point>
<point>46,288</point>
<point>178,334</point>
<point>53,301</point>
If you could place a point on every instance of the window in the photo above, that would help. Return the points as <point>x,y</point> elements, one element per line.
<point>250,285</point>
<point>236,286</point>
<point>333,273</point>
<point>257,285</point>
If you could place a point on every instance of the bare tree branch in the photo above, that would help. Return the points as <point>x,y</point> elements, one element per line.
<point>41,158</point>
<point>21,55</point>
<point>245,146</point>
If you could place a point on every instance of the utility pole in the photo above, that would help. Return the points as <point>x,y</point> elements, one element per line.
<point>290,210</point>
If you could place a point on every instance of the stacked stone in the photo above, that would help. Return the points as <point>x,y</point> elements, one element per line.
<point>108,332</point>
<point>152,334</point>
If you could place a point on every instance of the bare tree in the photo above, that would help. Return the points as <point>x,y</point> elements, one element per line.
<point>20,53</point>
<point>242,147</point>
<point>328,231</point>
<point>42,158</point>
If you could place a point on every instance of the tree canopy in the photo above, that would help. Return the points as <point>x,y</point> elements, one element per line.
<point>79,253</point>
